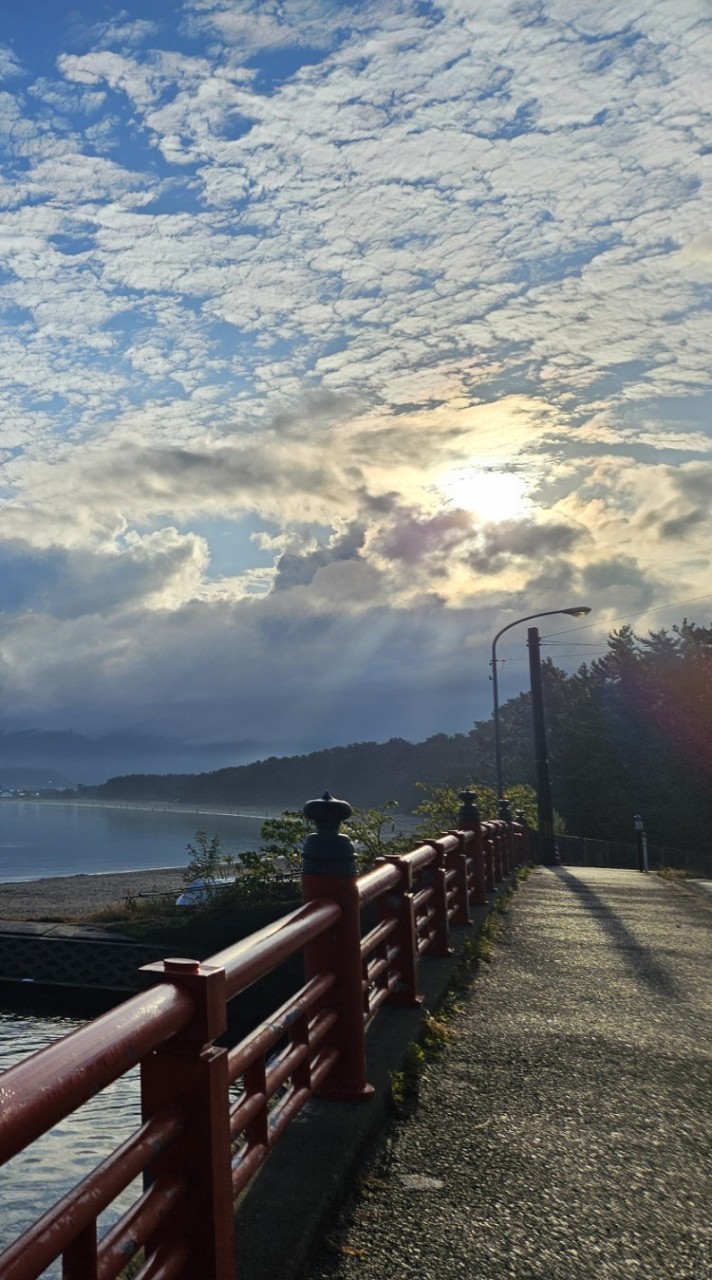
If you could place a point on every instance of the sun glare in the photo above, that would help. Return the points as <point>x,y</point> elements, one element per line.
<point>488,493</point>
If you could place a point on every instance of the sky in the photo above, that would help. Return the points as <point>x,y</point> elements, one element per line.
<point>335,337</point>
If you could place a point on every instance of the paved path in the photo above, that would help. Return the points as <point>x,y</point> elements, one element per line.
<point>567,1133</point>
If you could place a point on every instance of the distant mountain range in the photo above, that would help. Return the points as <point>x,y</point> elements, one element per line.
<point>29,779</point>
<point>69,758</point>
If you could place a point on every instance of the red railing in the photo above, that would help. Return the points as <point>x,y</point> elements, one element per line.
<point>211,1115</point>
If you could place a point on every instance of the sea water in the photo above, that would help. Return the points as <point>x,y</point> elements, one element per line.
<point>39,1176</point>
<point>41,838</point>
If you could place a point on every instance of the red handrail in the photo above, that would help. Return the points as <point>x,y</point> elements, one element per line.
<point>313,1042</point>
<point>253,958</point>
<point>39,1092</point>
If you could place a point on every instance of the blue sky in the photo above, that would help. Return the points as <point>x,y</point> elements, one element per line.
<point>332,339</point>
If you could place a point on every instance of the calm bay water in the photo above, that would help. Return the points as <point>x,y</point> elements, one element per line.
<point>35,1179</point>
<point>41,838</point>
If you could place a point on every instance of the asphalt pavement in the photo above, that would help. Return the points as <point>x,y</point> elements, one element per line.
<point>566,1133</point>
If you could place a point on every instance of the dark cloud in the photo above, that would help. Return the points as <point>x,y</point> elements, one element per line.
<point>70,583</point>
<point>694,482</point>
<point>557,580</point>
<point>619,571</point>
<point>281,672</point>
<point>317,408</point>
<point>26,575</point>
<point>690,508</point>
<point>680,526</point>
<point>299,570</point>
<point>525,540</point>
<point>379,504</point>
<point>174,477</point>
<point>412,539</point>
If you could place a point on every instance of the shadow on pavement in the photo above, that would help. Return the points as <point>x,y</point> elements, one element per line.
<point>639,959</point>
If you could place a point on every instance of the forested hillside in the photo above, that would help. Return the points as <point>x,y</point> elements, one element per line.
<point>629,733</point>
<point>365,773</point>
<point>632,733</point>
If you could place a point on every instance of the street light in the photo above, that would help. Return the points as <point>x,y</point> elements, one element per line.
<point>579,611</point>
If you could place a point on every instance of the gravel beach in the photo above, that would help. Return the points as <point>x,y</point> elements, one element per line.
<point>72,897</point>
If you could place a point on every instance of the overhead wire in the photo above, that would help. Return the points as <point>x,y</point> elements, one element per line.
<point>675,604</point>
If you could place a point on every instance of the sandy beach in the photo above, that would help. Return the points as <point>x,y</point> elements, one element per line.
<point>71,897</point>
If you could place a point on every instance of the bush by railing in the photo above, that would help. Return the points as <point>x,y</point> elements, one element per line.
<point>211,1115</point>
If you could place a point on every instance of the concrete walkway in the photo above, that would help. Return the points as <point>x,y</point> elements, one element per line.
<point>567,1132</point>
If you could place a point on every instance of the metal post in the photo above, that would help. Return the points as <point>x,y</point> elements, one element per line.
<point>545,809</point>
<point>641,842</point>
<point>497,735</point>
<point>578,611</point>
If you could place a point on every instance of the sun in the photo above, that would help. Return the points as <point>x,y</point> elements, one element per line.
<point>489,493</point>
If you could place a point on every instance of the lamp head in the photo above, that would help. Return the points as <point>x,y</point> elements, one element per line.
<point>579,612</point>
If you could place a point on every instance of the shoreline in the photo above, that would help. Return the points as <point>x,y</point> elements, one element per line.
<point>76,896</point>
<point>16,881</point>
<point>150,806</point>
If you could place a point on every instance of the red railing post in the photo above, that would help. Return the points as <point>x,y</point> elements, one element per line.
<point>189,1070</point>
<point>505,837</point>
<point>469,820</point>
<point>329,871</point>
<point>436,875</point>
<point>456,860</point>
<point>399,906</point>
<point>489,852</point>
<point>521,840</point>
<point>506,833</point>
<point>81,1259</point>
<point>498,851</point>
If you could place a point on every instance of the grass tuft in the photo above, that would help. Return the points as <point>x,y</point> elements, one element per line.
<point>405,1082</point>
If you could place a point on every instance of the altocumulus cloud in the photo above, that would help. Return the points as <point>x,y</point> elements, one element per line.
<point>334,337</point>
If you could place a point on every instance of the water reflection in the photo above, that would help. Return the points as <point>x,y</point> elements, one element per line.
<point>35,1179</point>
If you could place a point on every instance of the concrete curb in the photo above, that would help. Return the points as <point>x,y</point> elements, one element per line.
<point>303,1184</point>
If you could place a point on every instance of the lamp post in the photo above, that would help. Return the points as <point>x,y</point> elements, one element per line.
<point>544,805</point>
<point>578,611</point>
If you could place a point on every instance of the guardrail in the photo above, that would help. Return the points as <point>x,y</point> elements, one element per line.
<point>588,851</point>
<point>210,1114</point>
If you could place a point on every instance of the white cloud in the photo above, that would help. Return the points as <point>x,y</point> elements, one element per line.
<point>402,241</point>
<point>9,64</point>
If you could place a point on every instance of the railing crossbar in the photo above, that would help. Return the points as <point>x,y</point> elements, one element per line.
<point>165,1265</point>
<point>52,1234</point>
<point>144,1218</point>
<point>254,957</point>
<point>377,936</point>
<point>373,884</point>
<point>41,1091</point>
<point>259,1042</point>
<point>313,1042</point>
